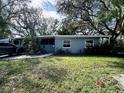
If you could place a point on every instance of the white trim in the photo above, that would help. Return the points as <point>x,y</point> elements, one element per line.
<point>63,43</point>
<point>89,40</point>
<point>78,36</point>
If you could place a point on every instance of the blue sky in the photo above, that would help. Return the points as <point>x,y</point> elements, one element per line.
<point>48,6</point>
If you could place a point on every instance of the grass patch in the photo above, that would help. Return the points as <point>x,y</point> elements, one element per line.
<point>59,74</point>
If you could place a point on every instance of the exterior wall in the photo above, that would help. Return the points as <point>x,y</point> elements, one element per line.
<point>77,44</point>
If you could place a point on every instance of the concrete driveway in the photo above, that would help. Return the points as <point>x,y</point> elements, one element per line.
<point>3,56</point>
<point>6,57</point>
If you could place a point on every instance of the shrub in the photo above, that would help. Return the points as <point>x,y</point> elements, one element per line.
<point>118,47</point>
<point>61,51</point>
<point>31,46</point>
<point>102,49</point>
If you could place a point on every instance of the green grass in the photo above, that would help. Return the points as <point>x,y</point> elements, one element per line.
<point>61,74</point>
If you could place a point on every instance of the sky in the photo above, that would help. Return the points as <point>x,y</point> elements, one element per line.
<point>48,7</point>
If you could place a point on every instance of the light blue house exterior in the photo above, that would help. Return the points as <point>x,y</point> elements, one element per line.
<point>74,44</point>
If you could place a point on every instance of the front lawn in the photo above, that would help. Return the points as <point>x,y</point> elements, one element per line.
<point>59,74</point>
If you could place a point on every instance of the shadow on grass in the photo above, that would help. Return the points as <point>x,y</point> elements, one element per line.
<point>54,73</point>
<point>14,68</point>
<point>116,64</point>
<point>92,55</point>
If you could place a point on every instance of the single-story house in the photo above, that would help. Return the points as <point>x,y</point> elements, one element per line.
<point>74,44</point>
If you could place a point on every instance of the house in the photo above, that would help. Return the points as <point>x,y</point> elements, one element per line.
<point>74,44</point>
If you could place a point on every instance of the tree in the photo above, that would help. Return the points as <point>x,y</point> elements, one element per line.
<point>8,10</point>
<point>67,28</point>
<point>50,26</point>
<point>104,16</point>
<point>31,22</point>
<point>28,22</point>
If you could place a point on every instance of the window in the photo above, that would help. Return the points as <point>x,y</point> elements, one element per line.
<point>44,41</point>
<point>51,41</point>
<point>89,43</point>
<point>47,41</point>
<point>66,43</point>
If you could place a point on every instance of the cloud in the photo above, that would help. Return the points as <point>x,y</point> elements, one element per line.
<point>53,14</point>
<point>48,6</point>
<point>53,2</point>
<point>41,3</point>
<point>37,3</point>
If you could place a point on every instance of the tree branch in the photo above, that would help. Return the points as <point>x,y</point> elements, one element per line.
<point>104,4</point>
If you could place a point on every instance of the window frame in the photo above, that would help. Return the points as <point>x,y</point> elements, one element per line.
<point>66,43</point>
<point>89,40</point>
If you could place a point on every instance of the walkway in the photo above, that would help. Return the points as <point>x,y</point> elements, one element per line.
<point>26,57</point>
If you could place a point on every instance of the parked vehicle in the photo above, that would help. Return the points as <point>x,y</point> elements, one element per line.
<point>9,49</point>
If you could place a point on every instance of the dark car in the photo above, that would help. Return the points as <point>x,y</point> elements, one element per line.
<point>7,48</point>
